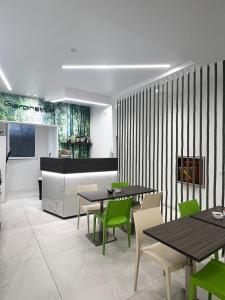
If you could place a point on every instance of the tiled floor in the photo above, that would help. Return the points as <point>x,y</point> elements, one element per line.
<point>43,258</point>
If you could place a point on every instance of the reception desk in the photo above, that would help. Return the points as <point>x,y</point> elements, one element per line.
<point>61,178</point>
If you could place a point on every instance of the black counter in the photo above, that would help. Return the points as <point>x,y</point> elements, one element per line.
<point>69,165</point>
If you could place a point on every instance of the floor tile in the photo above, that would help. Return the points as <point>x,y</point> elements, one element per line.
<point>26,281</point>
<point>56,236</point>
<point>18,245</point>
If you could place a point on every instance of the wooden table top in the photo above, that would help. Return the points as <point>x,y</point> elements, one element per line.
<point>137,190</point>
<point>207,217</point>
<point>189,236</point>
<point>125,192</point>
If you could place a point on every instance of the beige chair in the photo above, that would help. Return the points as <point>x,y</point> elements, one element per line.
<point>168,259</point>
<point>84,205</point>
<point>151,201</point>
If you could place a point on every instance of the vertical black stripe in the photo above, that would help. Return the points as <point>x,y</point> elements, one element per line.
<point>182,135</point>
<point>176,192</point>
<point>200,139</point>
<point>194,126</point>
<point>162,141</point>
<point>130,135</point>
<point>139,163</point>
<point>118,138</point>
<point>166,171</point>
<point>188,124</point>
<point>150,138</point>
<point>146,137</point>
<point>215,135</point>
<point>143,136</point>
<point>223,154</point>
<point>162,130</point>
<point>172,142</point>
<point>153,146</point>
<point>207,139</point>
<point>127,140</point>
<point>157,167</point>
<point>124,139</point>
<point>136,165</point>
<point>133,141</point>
<point>121,146</point>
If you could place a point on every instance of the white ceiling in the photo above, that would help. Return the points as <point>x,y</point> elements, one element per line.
<point>36,37</point>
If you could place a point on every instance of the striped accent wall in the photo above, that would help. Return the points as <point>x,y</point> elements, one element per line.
<point>182,115</point>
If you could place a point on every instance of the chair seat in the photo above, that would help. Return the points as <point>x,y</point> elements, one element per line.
<point>91,208</point>
<point>166,256</point>
<point>116,221</point>
<point>211,278</point>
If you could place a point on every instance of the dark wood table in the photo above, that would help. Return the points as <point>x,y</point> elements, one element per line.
<point>193,238</point>
<point>101,196</point>
<point>206,216</point>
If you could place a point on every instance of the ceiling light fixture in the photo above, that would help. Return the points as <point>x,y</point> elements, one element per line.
<point>114,67</point>
<point>79,101</point>
<point>4,79</point>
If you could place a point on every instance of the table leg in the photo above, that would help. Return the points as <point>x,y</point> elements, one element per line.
<point>190,269</point>
<point>97,241</point>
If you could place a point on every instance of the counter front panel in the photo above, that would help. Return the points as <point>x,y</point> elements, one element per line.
<point>70,166</point>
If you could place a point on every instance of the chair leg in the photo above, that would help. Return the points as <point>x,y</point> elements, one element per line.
<point>129,231</point>
<point>88,225</point>
<point>114,229</point>
<point>136,270</point>
<point>209,296</point>
<point>216,255</point>
<point>168,285</point>
<point>104,240</point>
<point>191,291</point>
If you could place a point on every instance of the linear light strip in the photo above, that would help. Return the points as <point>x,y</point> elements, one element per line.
<point>4,79</point>
<point>79,101</point>
<point>113,67</point>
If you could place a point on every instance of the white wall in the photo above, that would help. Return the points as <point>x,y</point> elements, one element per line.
<point>101,131</point>
<point>22,174</point>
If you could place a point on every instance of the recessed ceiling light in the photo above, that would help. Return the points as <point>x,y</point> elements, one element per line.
<point>114,67</point>
<point>28,94</point>
<point>35,95</point>
<point>4,79</point>
<point>79,101</point>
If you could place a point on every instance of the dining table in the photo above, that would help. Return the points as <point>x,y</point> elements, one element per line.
<point>192,236</point>
<point>103,195</point>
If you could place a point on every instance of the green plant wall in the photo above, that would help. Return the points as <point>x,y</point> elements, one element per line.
<point>71,119</point>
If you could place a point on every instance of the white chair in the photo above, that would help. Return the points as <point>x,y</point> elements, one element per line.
<point>168,259</point>
<point>151,201</point>
<point>84,205</point>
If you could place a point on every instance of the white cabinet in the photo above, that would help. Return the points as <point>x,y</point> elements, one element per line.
<point>59,191</point>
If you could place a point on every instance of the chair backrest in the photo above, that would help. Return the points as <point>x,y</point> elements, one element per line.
<point>144,219</point>
<point>86,188</point>
<point>189,208</point>
<point>151,201</point>
<point>119,185</point>
<point>117,208</point>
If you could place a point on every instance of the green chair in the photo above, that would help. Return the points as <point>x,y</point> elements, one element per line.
<point>119,185</point>
<point>189,208</point>
<point>210,278</point>
<point>117,214</point>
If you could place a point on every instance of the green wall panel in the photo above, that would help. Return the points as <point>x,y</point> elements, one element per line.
<point>71,119</point>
